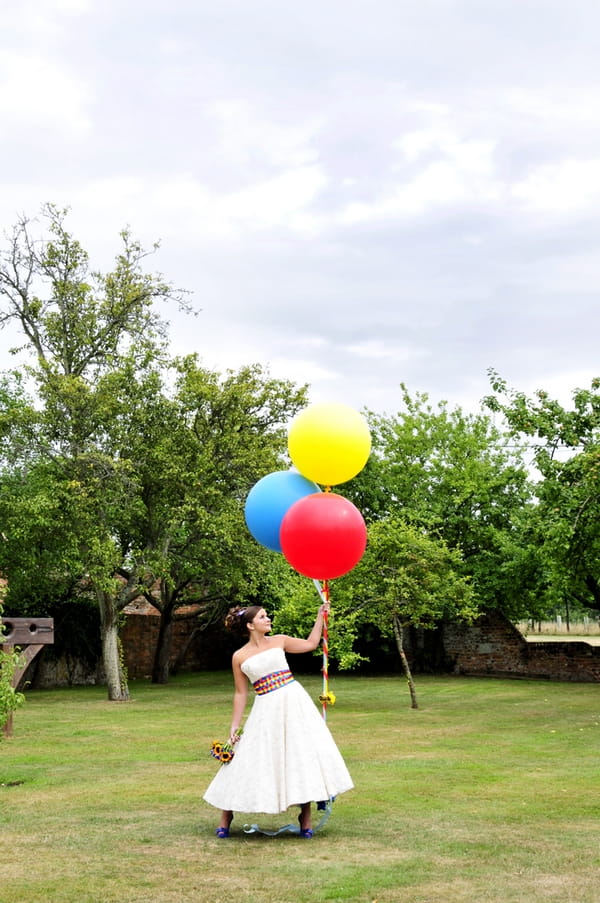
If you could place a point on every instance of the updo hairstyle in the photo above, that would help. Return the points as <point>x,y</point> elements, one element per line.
<point>238,618</point>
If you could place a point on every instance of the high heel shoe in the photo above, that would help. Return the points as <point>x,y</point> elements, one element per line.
<point>305,832</point>
<point>223,831</point>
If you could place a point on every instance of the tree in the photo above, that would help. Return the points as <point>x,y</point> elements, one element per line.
<point>454,476</point>
<point>79,327</point>
<point>128,471</point>
<point>566,450</point>
<point>405,578</point>
<point>197,450</point>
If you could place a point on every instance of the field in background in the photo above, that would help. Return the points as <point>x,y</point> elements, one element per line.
<point>588,630</point>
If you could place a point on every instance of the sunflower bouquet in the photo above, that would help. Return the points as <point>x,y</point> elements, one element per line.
<point>223,752</point>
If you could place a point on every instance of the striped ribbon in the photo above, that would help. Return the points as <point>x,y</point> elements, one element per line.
<point>324,807</point>
<point>273,681</point>
<point>325,695</point>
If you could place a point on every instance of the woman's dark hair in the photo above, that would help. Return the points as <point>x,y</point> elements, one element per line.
<point>238,618</point>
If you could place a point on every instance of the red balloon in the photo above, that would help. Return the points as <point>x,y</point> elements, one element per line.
<point>323,535</point>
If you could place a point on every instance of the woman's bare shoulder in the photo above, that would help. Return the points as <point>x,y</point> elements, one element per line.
<point>239,655</point>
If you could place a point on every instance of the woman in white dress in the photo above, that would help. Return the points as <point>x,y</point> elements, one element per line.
<point>286,755</point>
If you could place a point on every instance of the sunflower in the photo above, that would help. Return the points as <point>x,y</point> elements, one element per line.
<point>216,749</point>
<point>223,752</point>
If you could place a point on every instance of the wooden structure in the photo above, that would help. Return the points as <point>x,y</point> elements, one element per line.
<point>30,635</point>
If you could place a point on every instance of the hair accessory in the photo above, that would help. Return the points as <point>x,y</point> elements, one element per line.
<point>241,612</point>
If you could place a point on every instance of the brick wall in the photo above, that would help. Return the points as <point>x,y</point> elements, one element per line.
<point>140,634</point>
<point>138,638</point>
<point>570,661</point>
<point>208,652</point>
<point>494,646</point>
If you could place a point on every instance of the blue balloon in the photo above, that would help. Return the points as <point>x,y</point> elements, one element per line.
<point>268,502</point>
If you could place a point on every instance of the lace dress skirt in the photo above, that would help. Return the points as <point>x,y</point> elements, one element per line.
<point>286,755</point>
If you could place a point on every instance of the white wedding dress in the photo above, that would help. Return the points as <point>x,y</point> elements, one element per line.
<point>286,755</point>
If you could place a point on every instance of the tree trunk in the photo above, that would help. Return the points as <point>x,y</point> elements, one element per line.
<point>399,634</point>
<point>160,666</point>
<point>184,648</point>
<point>199,629</point>
<point>116,679</point>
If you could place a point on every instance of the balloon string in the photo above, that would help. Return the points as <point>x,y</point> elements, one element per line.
<point>325,696</point>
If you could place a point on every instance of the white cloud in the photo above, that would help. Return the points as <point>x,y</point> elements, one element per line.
<point>36,90</point>
<point>437,185</point>
<point>247,347</point>
<point>555,108</point>
<point>333,195</point>
<point>274,201</point>
<point>376,349</point>
<point>453,171</point>
<point>42,19</point>
<point>568,186</point>
<point>69,6</point>
<point>247,138</point>
<point>188,205</point>
<point>302,371</point>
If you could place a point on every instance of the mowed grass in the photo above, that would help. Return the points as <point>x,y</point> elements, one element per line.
<point>489,792</point>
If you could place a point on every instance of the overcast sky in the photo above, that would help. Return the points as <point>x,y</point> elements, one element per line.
<point>358,193</point>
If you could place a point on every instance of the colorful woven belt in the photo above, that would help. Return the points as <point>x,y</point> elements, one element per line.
<point>273,681</point>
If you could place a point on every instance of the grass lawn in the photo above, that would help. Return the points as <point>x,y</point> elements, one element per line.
<point>488,793</point>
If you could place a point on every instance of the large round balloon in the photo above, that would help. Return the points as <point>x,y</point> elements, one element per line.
<point>323,536</point>
<point>268,501</point>
<point>329,443</point>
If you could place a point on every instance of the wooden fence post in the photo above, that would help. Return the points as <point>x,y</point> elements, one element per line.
<point>30,635</point>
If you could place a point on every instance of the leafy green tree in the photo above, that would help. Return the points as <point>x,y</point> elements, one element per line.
<point>455,476</point>
<point>449,492</point>
<point>566,448</point>
<point>79,327</point>
<point>125,474</point>
<point>197,451</point>
<point>405,578</point>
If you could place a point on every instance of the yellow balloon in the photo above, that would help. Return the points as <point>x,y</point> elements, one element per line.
<point>329,443</point>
